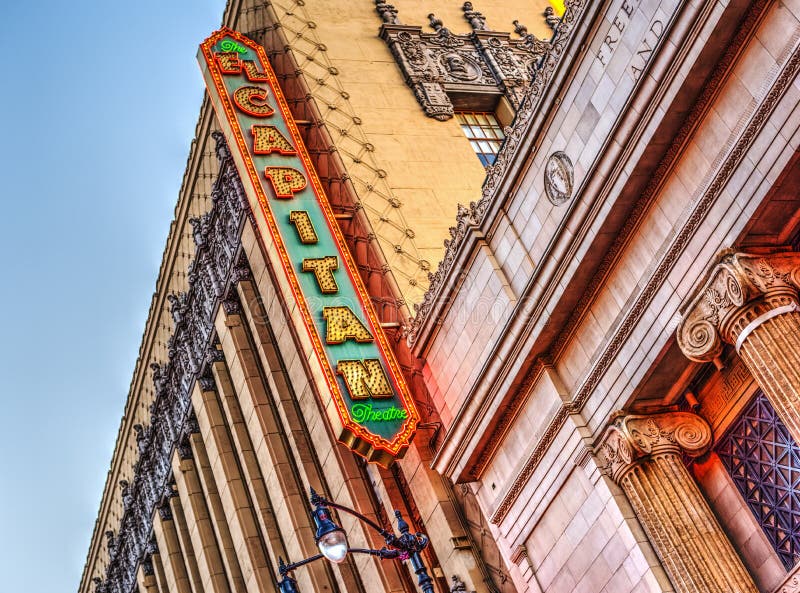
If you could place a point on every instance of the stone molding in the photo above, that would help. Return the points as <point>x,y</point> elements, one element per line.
<point>631,438</point>
<point>473,215</point>
<point>740,288</point>
<point>213,274</point>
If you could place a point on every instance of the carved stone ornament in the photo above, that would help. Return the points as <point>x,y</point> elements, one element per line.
<point>207,383</point>
<point>217,236</point>
<point>739,289</point>
<point>476,19</point>
<point>457,586</point>
<point>551,18</point>
<point>185,448</point>
<point>558,178</point>
<point>524,84</point>
<point>387,12</point>
<point>441,65</point>
<point>791,585</point>
<point>165,512</point>
<point>147,566</point>
<point>630,439</point>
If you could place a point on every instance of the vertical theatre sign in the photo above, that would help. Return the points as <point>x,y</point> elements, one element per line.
<point>372,411</point>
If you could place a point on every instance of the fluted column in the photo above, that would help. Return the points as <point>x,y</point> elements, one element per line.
<point>751,302</point>
<point>643,455</point>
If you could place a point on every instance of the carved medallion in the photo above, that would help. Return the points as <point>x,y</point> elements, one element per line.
<point>460,67</point>
<point>558,178</point>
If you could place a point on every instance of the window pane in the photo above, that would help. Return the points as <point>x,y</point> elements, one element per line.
<point>483,132</point>
<point>478,132</point>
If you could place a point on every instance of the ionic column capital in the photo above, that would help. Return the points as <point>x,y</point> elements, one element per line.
<point>632,438</point>
<point>741,290</point>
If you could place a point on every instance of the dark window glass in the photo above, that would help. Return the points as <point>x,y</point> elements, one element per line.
<point>484,134</point>
<point>764,463</point>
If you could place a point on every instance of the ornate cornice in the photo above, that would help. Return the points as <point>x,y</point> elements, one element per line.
<point>436,65</point>
<point>740,287</point>
<point>542,69</point>
<point>631,439</point>
<point>212,273</point>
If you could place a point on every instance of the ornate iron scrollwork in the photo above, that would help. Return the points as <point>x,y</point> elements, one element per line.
<point>213,272</point>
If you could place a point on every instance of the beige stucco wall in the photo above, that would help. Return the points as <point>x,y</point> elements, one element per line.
<point>429,165</point>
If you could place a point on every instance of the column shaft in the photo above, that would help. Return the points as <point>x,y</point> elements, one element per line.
<point>201,532</point>
<point>771,352</point>
<point>692,546</point>
<point>162,585</point>
<point>643,454</point>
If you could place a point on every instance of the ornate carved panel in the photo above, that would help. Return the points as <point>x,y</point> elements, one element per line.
<point>764,462</point>
<point>468,71</point>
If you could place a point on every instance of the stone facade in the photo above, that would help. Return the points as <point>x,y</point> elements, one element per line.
<point>558,309</point>
<point>600,329</point>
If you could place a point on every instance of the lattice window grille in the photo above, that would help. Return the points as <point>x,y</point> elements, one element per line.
<point>764,462</point>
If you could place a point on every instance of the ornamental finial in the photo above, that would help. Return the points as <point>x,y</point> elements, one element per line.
<point>435,22</point>
<point>475,18</point>
<point>387,12</point>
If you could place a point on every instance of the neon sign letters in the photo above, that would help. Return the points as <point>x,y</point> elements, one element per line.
<point>373,412</point>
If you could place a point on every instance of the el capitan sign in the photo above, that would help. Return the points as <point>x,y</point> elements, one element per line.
<point>373,412</point>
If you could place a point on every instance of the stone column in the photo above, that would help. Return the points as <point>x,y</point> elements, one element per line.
<point>751,302</point>
<point>643,455</point>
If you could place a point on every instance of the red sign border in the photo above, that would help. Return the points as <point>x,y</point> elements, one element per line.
<point>402,440</point>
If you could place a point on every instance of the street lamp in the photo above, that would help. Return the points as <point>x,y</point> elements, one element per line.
<point>332,543</point>
<point>331,539</point>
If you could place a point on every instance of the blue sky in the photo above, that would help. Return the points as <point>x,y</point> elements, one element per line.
<point>100,101</point>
